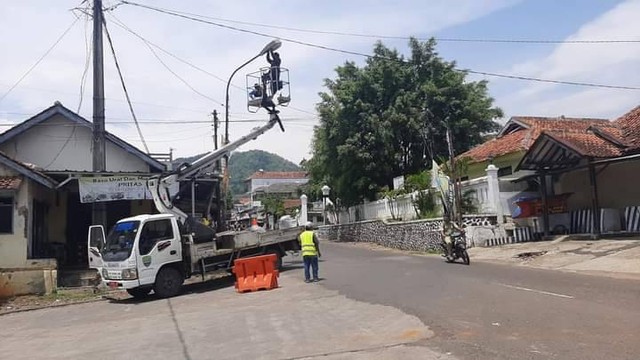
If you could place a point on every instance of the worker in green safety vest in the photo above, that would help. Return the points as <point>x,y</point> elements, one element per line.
<point>310,252</point>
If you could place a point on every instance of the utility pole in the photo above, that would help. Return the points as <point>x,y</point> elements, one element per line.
<point>456,203</point>
<point>99,157</point>
<point>215,129</point>
<point>218,186</point>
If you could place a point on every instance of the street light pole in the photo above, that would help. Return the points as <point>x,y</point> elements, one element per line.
<point>325,194</point>
<point>272,46</point>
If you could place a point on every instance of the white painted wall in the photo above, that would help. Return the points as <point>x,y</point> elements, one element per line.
<point>13,247</point>
<point>617,186</point>
<point>40,144</point>
<point>258,183</point>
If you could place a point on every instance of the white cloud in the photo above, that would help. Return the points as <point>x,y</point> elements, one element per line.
<point>214,49</point>
<point>615,64</point>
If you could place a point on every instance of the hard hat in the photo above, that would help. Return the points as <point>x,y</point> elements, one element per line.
<point>308,225</point>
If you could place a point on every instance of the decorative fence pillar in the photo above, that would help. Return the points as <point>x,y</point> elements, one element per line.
<point>303,210</point>
<point>494,191</point>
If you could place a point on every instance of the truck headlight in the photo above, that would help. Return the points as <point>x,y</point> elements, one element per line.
<point>129,274</point>
<point>105,274</point>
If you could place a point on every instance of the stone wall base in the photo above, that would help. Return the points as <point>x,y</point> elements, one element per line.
<point>27,281</point>
<point>417,235</point>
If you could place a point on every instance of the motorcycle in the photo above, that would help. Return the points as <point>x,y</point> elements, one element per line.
<point>459,250</point>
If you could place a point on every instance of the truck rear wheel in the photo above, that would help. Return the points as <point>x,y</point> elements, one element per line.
<point>139,293</point>
<point>168,282</point>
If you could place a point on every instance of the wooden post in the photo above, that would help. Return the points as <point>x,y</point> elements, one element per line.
<point>545,203</point>
<point>595,206</point>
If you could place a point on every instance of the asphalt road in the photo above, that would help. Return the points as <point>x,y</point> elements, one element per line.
<point>487,311</point>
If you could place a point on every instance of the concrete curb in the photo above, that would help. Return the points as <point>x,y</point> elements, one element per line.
<point>53,306</point>
<point>598,273</point>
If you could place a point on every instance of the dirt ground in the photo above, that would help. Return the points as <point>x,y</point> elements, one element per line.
<point>61,297</point>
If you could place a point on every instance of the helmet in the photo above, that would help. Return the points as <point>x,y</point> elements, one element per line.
<point>308,225</point>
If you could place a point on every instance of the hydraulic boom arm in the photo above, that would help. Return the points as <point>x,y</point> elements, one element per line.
<point>159,186</point>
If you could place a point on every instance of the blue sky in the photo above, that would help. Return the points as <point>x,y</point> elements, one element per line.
<point>159,95</point>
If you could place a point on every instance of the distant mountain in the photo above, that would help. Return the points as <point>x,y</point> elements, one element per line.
<point>243,164</point>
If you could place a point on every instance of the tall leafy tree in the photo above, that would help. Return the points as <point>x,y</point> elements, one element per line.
<point>389,118</point>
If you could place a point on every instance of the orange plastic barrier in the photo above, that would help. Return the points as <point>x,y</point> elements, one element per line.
<point>256,273</point>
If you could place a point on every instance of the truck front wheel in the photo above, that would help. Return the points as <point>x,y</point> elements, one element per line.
<point>139,293</point>
<point>168,282</point>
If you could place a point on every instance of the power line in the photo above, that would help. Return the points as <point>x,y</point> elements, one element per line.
<point>39,59</point>
<point>302,110</point>
<point>124,87</point>
<point>393,37</point>
<point>88,43</point>
<point>150,47</point>
<point>561,82</point>
<point>119,23</point>
<point>111,99</point>
<point>128,29</point>
<point>169,122</point>
<point>514,77</point>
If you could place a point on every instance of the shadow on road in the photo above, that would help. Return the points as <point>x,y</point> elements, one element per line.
<point>192,288</point>
<point>197,286</point>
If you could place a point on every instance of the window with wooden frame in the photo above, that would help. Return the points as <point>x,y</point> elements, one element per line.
<point>6,214</point>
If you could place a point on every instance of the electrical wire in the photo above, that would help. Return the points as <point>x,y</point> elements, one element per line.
<point>349,52</point>
<point>181,79</point>
<point>124,86</point>
<point>114,99</point>
<point>393,37</point>
<point>39,60</point>
<point>88,44</point>
<point>119,23</point>
<point>171,122</point>
<point>155,54</point>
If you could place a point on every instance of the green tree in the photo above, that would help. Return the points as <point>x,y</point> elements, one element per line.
<point>389,118</point>
<point>273,205</point>
<point>423,200</point>
<point>244,164</point>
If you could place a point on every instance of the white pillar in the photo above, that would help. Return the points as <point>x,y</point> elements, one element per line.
<point>494,191</point>
<point>303,210</point>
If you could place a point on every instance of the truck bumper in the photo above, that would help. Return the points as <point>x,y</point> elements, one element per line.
<point>121,284</point>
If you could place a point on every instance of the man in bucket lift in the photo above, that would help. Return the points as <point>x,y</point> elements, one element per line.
<point>274,60</point>
<point>256,92</point>
<point>271,79</point>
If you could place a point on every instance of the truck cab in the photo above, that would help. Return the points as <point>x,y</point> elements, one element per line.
<point>139,254</point>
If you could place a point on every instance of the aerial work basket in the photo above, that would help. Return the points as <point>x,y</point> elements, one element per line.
<point>267,87</point>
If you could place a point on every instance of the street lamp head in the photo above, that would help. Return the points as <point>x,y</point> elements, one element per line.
<point>272,46</point>
<point>325,190</point>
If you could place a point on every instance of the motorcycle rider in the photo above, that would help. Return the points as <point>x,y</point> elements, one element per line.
<point>448,229</point>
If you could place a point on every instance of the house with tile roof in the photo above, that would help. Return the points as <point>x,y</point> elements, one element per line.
<point>565,157</point>
<point>24,193</point>
<point>263,179</point>
<point>48,185</point>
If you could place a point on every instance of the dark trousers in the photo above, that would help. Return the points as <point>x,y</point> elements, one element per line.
<point>310,261</point>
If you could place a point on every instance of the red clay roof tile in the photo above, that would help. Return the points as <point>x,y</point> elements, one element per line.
<point>10,182</point>
<point>278,175</point>
<point>580,134</point>
<point>629,125</point>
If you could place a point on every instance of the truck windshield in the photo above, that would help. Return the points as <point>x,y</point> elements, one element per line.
<point>120,241</point>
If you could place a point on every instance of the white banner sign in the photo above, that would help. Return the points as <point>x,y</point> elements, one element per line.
<point>111,188</point>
